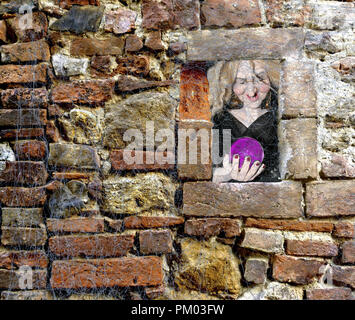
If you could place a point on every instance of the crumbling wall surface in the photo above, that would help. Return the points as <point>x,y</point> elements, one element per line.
<point>80,222</point>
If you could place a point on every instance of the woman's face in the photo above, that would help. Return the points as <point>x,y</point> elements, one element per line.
<point>252,84</point>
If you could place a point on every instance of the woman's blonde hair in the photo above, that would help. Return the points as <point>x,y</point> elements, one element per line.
<point>222,75</point>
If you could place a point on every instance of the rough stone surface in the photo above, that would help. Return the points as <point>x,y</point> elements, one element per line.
<point>157,14</point>
<point>25,117</point>
<point>155,242</point>
<point>6,153</point>
<point>134,113</point>
<point>311,248</point>
<point>10,259</point>
<point>261,240</point>
<point>128,83</point>
<point>65,66</point>
<point>133,43</point>
<point>329,294</point>
<point>97,273</point>
<point>209,266</point>
<point>141,222</point>
<point>84,92</point>
<point>253,199</point>
<point>11,236</point>
<point>153,41</point>
<point>10,279</point>
<point>24,98</point>
<point>348,255</point>
<point>344,229</point>
<point>298,89</point>
<point>23,74</point>
<point>213,227</point>
<point>82,224</point>
<point>79,20</point>
<point>224,13</point>
<point>144,192</point>
<point>26,295</point>
<point>67,4</point>
<point>72,155</point>
<point>328,199</point>
<point>255,270</point>
<point>92,47</point>
<point>187,13</point>
<point>344,276</point>
<point>243,44</point>
<point>3,31</point>
<point>101,245</point>
<point>295,270</point>
<point>338,166</point>
<point>22,217</point>
<point>22,197</point>
<point>25,52</point>
<point>30,149</point>
<point>120,21</point>
<point>11,134</point>
<point>133,65</point>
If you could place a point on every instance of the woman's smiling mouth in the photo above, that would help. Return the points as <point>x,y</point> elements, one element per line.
<point>253,98</point>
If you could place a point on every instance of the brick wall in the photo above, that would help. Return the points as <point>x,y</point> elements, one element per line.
<point>75,75</point>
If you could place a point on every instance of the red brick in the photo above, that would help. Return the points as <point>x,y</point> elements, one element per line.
<point>101,245</point>
<point>344,276</point>
<point>11,134</point>
<point>52,132</point>
<point>133,43</point>
<point>134,65</point>
<point>213,227</point>
<point>92,47</point>
<point>23,74</point>
<point>25,52</point>
<point>295,270</point>
<point>331,198</point>
<point>67,4</point>
<point>348,255</point>
<point>222,13</point>
<point>71,175</point>
<point>10,279</point>
<point>141,222</point>
<point>194,104</point>
<point>311,248</point>
<point>24,98</point>
<point>24,173</point>
<point>23,117</point>
<point>329,294</point>
<point>19,236</point>
<point>87,92</point>
<point>118,163</point>
<point>114,224</point>
<point>344,229</point>
<point>30,149</point>
<point>22,197</point>
<point>15,259</point>
<point>120,21</point>
<point>152,241</point>
<point>76,225</point>
<point>3,31</point>
<point>290,225</point>
<point>97,273</point>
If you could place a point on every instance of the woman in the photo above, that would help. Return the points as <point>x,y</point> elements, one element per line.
<point>248,111</point>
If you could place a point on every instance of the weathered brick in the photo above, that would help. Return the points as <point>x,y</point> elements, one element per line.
<point>26,295</point>
<point>67,4</point>
<point>25,52</point>
<point>96,273</point>
<point>153,241</point>
<point>3,31</point>
<point>248,43</point>
<point>37,29</point>
<point>134,65</point>
<point>24,173</point>
<point>329,294</point>
<point>311,248</point>
<point>187,13</point>
<point>253,199</point>
<point>24,98</point>
<point>153,41</point>
<point>213,227</point>
<point>338,166</point>
<point>295,270</point>
<point>22,217</point>
<point>298,90</point>
<point>261,240</point>
<point>52,132</point>
<point>10,279</point>
<point>115,224</point>
<point>11,134</point>
<point>18,236</point>
<point>30,149</point>
<point>224,13</point>
<point>100,245</point>
<point>133,43</point>
<point>348,255</point>
<point>290,225</point>
<point>255,270</point>
<point>87,92</point>
<point>73,156</point>
<point>71,175</point>
<point>118,162</point>
<point>22,117</point>
<point>23,74</point>
<point>344,229</point>
<point>142,222</point>
<point>332,198</point>
<point>191,134</point>
<point>298,148</point>
<point>194,90</point>
<point>22,197</point>
<point>92,47</point>
<point>120,21</point>
<point>10,259</point>
<point>157,14</point>
<point>344,276</point>
<point>76,225</point>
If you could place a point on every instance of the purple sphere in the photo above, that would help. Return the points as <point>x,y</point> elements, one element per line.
<point>247,147</point>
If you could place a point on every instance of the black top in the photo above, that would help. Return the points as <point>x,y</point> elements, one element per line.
<point>263,129</point>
